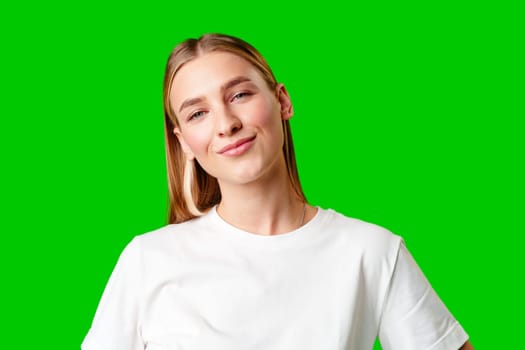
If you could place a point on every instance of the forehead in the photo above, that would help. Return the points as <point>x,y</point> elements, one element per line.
<point>207,73</point>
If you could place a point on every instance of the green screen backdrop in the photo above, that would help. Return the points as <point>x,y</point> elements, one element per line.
<point>408,115</point>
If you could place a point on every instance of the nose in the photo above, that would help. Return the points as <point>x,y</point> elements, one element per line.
<point>227,122</point>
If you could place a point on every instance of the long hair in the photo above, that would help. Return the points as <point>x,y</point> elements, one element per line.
<point>192,191</point>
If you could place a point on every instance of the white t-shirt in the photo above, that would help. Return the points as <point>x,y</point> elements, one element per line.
<point>336,283</point>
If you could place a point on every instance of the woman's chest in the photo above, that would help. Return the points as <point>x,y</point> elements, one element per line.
<point>246,304</point>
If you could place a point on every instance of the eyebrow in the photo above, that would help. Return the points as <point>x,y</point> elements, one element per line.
<point>228,85</point>
<point>189,102</point>
<point>233,82</point>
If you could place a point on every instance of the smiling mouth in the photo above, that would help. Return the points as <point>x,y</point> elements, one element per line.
<point>238,147</point>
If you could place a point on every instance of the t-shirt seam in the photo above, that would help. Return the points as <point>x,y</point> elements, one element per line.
<point>288,241</point>
<point>390,281</point>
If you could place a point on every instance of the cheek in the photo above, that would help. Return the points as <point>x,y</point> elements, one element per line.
<point>198,140</point>
<point>266,113</point>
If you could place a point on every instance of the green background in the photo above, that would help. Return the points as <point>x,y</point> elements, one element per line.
<point>406,115</point>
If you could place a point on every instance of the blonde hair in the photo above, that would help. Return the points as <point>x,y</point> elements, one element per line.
<point>192,191</point>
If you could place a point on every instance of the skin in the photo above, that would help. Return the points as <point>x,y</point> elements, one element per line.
<point>219,99</point>
<point>467,346</point>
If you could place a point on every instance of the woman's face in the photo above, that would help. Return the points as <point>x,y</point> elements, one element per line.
<point>229,120</point>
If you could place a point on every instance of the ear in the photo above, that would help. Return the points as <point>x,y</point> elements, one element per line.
<point>185,148</point>
<point>285,102</point>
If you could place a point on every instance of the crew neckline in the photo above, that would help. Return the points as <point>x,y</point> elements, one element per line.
<point>304,232</point>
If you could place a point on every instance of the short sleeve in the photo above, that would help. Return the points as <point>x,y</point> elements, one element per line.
<point>116,324</point>
<point>413,315</point>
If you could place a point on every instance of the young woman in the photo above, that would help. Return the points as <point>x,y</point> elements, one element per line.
<point>246,262</point>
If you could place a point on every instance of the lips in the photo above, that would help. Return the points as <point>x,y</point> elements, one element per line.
<point>238,147</point>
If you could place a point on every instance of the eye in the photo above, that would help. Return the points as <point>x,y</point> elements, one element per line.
<point>240,95</point>
<point>196,115</point>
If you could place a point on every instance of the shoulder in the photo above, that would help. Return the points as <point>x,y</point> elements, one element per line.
<point>370,252</point>
<point>364,238</point>
<point>360,231</point>
<point>168,238</point>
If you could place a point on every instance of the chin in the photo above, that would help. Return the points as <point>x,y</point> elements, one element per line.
<point>244,177</point>
<point>244,173</point>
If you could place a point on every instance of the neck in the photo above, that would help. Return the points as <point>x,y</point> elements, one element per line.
<point>267,207</point>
